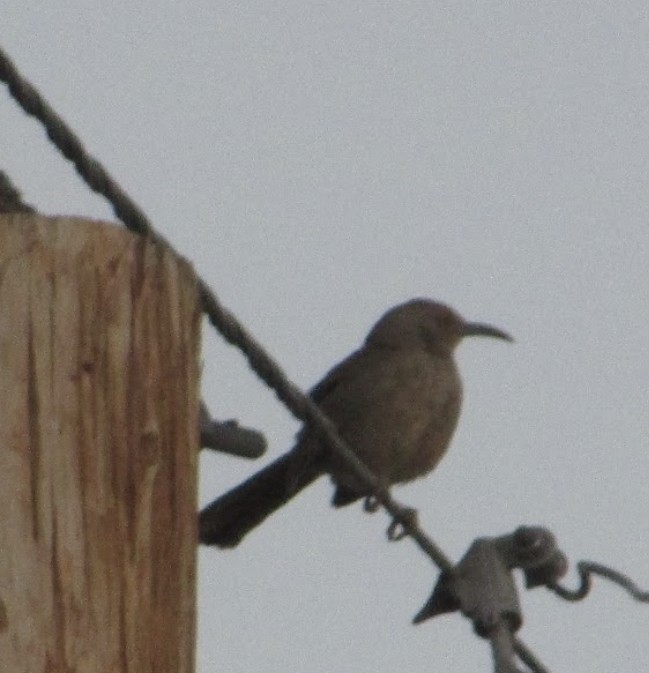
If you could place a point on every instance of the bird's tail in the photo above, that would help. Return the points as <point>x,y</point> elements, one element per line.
<point>229,518</point>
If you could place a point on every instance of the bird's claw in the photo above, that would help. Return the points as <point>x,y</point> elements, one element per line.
<point>371,504</point>
<point>399,527</point>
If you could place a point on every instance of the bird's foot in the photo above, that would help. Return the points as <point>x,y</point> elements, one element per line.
<point>402,523</point>
<point>371,504</point>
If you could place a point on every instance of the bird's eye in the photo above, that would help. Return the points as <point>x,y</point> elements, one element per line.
<point>445,321</point>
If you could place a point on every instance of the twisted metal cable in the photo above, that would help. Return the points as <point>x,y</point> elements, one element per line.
<point>300,405</point>
<point>67,142</point>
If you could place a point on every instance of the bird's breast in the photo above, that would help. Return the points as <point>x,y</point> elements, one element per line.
<point>399,414</point>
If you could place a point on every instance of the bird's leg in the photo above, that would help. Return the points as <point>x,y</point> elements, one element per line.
<point>371,503</point>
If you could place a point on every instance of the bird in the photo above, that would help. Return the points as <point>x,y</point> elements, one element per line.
<point>396,403</point>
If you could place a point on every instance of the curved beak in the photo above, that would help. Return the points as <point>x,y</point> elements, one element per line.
<point>481,329</point>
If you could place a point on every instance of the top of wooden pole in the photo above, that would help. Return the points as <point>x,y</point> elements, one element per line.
<point>99,362</point>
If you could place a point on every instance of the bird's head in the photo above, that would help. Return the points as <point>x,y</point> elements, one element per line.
<point>429,324</point>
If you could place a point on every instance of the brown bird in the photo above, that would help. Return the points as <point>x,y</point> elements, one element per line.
<point>396,403</point>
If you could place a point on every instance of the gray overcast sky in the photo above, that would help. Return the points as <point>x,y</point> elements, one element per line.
<point>320,162</point>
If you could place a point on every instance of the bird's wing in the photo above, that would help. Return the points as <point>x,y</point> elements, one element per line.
<point>338,375</point>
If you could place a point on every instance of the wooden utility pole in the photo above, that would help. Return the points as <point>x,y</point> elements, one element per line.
<point>99,368</point>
